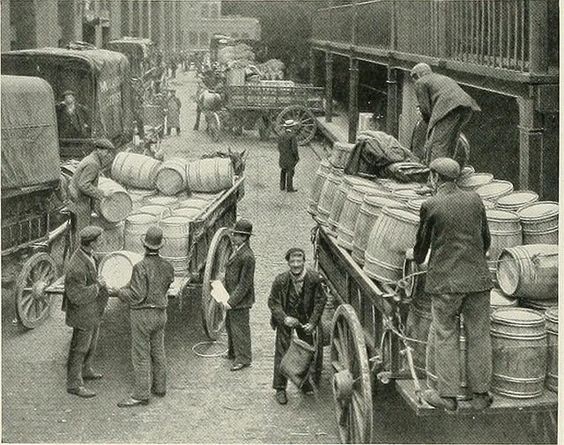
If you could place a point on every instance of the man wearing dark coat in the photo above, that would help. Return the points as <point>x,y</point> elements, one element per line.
<point>454,226</point>
<point>84,300</point>
<point>289,156</point>
<point>240,285</point>
<point>296,301</point>
<point>72,117</point>
<point>446,107</point>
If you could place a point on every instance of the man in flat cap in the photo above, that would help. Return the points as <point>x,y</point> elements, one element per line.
<point>83,187</point>
<point>296,301</point>
<point>289,155</point>
<point>72,117</point>
<point>446,108</point>
<point>454,226</point>
<point>84,301</point>
<point>147,298</point>
<point>173,112</point>
<point>239,282</point>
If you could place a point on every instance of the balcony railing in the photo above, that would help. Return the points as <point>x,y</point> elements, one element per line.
<point>517,35</point>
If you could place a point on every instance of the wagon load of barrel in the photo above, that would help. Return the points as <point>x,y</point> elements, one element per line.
<point>241,51</point>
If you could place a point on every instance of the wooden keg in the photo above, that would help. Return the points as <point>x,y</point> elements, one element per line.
<point>139,195</point>
<point>538,305</point>
<point>540,223</point>
<point>176,236</point>
<point>135,170</point>
<point>320,177</point>
<point>117,267</point>
<point>505,231</point>
<point>159,211</point>
<point>349,214</point>
<point>116,204</point>
<point>171,177</point>
<point>466,173</point>
<point>392,235</point>
<point>167,201</point>
<point>187,212</point>
<point>519,352</point>
<point>415,204</point>
<point>193,203</point>
<point>488,204</point>
<point>529,271</point>
<point>136,226</point>
<point>210,175</point>
<point>474,180</point>
<point>340,154</point>
<point>499,300</point>
<point>517,200</point>
<point>495,190</point>
<point>391,185</point>
<point>327,195</point>
<point>551,317</point>
<point>405,195</point>
<point>205,196</point>
<point>368,214</point>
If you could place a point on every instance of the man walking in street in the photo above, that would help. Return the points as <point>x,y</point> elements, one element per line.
<point>289,156</point>
<point>296,301</point>
<point>147,298</point>
<point>446,107</point>
<point>173,113</point>
<point>239,283</point>
<point>84,301</point>
<point>454,226</point>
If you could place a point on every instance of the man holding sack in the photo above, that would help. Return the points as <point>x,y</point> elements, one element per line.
<point>296,301</point>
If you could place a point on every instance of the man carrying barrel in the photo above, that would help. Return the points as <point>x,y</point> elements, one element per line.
<point>454,226</point>
<point>289,156</point>
<point>296,301</point>
<point>147,298</point>
<point>83,187</point>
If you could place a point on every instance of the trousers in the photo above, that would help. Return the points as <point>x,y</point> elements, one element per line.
<point>287,179</point>
<point>82,349</point>
<point>148,351</point>
<point>443,342</point>
<point>239,335</point>
<point>442,139</point>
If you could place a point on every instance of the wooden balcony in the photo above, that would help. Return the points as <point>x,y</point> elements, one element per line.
<point>481,36</point>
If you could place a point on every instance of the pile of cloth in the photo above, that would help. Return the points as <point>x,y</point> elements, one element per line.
<point>272,69</point>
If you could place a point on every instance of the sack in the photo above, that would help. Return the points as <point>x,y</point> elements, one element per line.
<point>296,362</point>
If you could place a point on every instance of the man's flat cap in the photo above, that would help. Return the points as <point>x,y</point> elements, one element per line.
<point>446,167</point>
<point>69,93</point>
<point>421,69</point>
<point>294,250</point>
<point>90,233</point>
<point>104,144</point>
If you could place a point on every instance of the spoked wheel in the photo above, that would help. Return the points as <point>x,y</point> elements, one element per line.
<point>352,389</point>
<point>213,313</point>
<point>305,119</point>
<point>32,302</point>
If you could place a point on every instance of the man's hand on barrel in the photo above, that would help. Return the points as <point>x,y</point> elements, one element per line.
<point>292,322</point>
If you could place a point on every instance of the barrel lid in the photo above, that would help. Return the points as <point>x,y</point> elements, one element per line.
<point>416,203</point>
<point>393,186</point>
<point>494,189</point>
<point>117,267</point>
<point>498,298</point>
<point>501,215</point>
<point>404,215</point>
<point>552,314</point>
<point>356,180</point>
<point>371,190</point>
<point>188,212</point>
<point>475,180</point>
<point>142,218</point>
<point>194,203</point>
<point>518,198</point>
<point>162,200</point>
<point>406,194</point>
<point>540,305</point>
<point>141,192</point>
<point>539,210</point>
<point>517,315</point>
<point>175,220</point>
<point>153,209</point>
<point>488,204</point>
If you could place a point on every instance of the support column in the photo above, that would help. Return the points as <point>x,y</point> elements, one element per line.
<point>538,45</point>
<point>130,17</point>
<point>353,99</point>
<point>328,86</point>
<point>149,18</point>
<point>531,144</point>
<point>392,115</point>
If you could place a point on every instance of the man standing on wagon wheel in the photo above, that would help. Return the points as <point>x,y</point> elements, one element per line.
<point>454,226</point>
<point>296,301</point>
<point>289,156</point>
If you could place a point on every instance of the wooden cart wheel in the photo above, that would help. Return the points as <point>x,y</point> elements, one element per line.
<point>307,125</point>
<point>32,302</point>
<point>352,388</point>
<point>213,313</point>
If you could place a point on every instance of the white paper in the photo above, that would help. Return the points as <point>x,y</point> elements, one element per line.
<point>218,292</point>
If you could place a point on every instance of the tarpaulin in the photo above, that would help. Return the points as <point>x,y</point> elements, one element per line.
<point>30,144</point>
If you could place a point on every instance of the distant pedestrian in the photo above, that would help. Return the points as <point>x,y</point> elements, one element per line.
<point>147,298</point>
<point>239,283</point>
<point>289,156</point>
<point>173,113</point>
<point>84,301</point>
<point>446,107</point>
<point>296,302</point>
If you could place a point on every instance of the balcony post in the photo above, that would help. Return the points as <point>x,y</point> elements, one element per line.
<point>130,18</point>
<point>354,33</point>
<point>353,98</point>
<point>392,102</point>
<point>538,36</point>
<point>393,26</point>
<point>328,86</point>
<point>531,145</point>
<point>442,29</point>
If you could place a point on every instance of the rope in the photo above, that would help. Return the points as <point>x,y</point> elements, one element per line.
<point>210,342</point>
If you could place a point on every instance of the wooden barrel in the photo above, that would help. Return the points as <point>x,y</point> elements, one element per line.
<point>368,214</point>
<point>519,352</point>
<point>320,177</point>
<point>551,317</point>
<point>135,170</point>
<point>193,203</point>
<point>116,205</point>
<point>415,204</point>
<point>326,198</point>
<point>340,154</point>
<point>499,300</point>
<point>540,223</point>
<point>111,238</point>
<point>210,175</point>
<point>349,214</point>
<point>391,185</point>
<point>171,177</point>
<point>529,271</point>
<point>474,180</point>
<point>136,226</point>
<point>139,195</point>
<point>405,195</point>
<point>167,201</point>
<point>538,305</point>
<point>517,200</point>
<point>205,196</point>
<point>505,231</point>
<point>176,242</point>
<point>495,190</point>
<point>156,210</point>
<point>392,235</point>
<point>117,267</point>
<point>466,173</point>
<point>187,212</point>
<point>488,204</point>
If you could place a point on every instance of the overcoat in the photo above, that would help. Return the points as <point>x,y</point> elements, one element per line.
<point>173,113</point>
<point>73,125</point>
<point>240,278</point>
<point>454,226</point>
<point>288,150</point>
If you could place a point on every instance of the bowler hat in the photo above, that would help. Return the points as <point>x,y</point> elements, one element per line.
<point>153,238</point>
<point>446,167</point>
<point>243,227</point>
<point>289,123</point>
<point>292,250</point>
<point>104,144</point>
<point>90,233</point>
<point>69,93</point>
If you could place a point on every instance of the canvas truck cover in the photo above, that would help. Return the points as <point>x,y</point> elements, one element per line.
<point>136,52</point>
<point>99,77</point>
<point>30,144</point>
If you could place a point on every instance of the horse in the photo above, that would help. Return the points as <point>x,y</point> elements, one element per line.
<point>207,102</point>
